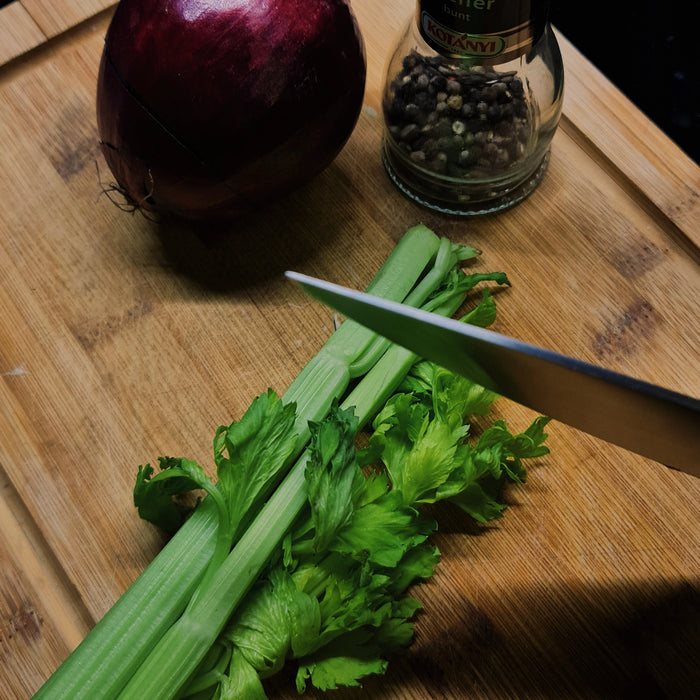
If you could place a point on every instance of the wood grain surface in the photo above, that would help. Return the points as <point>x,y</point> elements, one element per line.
<point>122,339</point>
<point>27,24</point>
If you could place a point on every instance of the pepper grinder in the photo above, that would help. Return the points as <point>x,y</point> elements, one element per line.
<point>472,99</point>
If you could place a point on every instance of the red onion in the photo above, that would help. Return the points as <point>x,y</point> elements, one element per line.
<point>210,108</point>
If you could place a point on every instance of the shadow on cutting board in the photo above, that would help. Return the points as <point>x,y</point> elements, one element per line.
<point>225,257</point>
<point>622,641</point>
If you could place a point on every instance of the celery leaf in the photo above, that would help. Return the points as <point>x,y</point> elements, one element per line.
<point>334,482</point>
<point>153,493</point>
<point>250,454</point>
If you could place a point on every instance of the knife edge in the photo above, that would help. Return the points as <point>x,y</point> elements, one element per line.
<point>640,416</point>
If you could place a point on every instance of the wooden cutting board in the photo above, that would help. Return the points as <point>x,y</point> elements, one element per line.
<point>121,340</point>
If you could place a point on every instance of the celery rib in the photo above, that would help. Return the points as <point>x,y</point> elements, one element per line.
<point>110,654</point>
<point>178,654</point>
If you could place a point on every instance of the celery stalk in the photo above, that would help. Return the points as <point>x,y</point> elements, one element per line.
<point>114,648</point>
<point>183,647</point>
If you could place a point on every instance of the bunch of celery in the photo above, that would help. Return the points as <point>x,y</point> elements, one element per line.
<point>333,600</point>
<point>161,633</point>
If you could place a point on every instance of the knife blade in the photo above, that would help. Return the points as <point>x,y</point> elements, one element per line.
<point>639,416</point>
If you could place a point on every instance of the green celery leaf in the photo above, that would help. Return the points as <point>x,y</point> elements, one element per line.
<point>330,672</point>
<point>375,486</point>
<point>474,464</point>
<point>421,438</point>
<point>484,314</point>
<point>251,454</point>
<point>458,284</point>
<point>418,563</point>
<point>242,681</point>
<point>303,613</point>
<point>495,458</point>
<point>344,610</point>
<point>352,594</point>
<point>276,618</point>
<point>419,453</point>
<point>456,398</point>
<point>452,396</point>
<point>334,481</point>
<point>153,494</point>
<point>383,531</point>
<point>476,502</point>
<point>348,658</point>
<point>464,252</point>
<point>515,448</point>
<point>260,630</point>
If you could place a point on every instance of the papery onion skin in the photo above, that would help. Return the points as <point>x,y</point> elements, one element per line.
<point>209,109</point>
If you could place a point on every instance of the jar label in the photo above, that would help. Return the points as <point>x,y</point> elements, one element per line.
<point>481,29</point>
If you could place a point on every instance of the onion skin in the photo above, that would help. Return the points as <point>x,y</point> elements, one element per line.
<point>209,109</point>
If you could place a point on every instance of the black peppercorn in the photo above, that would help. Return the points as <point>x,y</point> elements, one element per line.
<point>458,119</point>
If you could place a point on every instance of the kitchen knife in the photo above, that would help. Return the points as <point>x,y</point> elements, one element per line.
<point>641,417</point>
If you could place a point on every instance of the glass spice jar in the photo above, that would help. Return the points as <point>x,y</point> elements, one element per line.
<point>471,102</point>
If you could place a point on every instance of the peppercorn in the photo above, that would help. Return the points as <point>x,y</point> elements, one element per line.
<point>458,119</point>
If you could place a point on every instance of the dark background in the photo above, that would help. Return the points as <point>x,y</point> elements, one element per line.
<point>647,49</point>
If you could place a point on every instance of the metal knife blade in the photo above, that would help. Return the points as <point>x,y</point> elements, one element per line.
<point>642,417</point>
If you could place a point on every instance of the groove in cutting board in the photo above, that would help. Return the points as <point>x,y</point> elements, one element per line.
<point>28,547</point>
<point>22,40</point>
